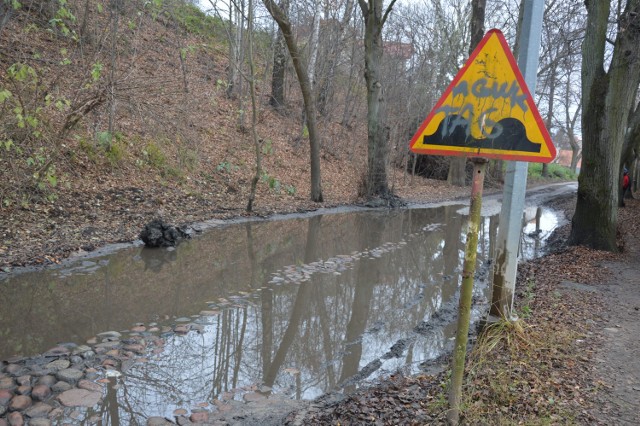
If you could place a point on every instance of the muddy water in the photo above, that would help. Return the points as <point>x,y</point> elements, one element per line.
<point>295,307</point>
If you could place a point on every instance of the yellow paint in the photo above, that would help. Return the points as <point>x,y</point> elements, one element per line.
<point>487,91</point>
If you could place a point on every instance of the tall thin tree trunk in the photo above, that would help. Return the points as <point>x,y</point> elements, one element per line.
<point>349,98</point>
<point>309,101</point>
<point>571,122</point>
<point>334,50</point>
<point>276,99</point>
<point>313,57</point>
<point>239,89</point>
<point>549,120</point>
<point>115,17</point>
<point>235,46</point>
<point>254,111</point>
<point>313,44</point>
<point>83,26</point>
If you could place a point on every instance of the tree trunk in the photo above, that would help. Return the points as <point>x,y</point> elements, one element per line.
<point>335,48</point>
<point>576,152</point>
<point>254,111</point>
<point>234,84</point>
<point>377,132</point>
<point>83,26</point>
<point>309,100</point>
<point>115,18</point>
<point>276,99</point>
<point>349,101</point>
<point>6,10</point>
<point>240,41</point>
<point>313,58</point>
<point>313,44</point>
<point>575,158</point>
<point>457,171</point>
<point>632,138</point>
<point>607,102</point>
<point>630,150</point>
<point>549,120</point>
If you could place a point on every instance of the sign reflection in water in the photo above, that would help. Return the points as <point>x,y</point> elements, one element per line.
<point>296,307</point>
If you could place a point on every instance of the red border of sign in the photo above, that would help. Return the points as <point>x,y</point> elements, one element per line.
<point>529,100</point>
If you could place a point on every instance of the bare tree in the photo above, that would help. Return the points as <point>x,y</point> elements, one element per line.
<point>570,129</point>
<point>309,100</point>
<point>314,42</point>
<point>276,98</point>
<point>631,146</point>
<point>375,16</point>
<point>254,110</point>
<point>332,44</point>
<point>438,34</point>
<point>236,51</point>
<point>115,18</point>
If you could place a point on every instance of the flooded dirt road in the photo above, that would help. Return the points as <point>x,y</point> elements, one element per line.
<point>294,306</point>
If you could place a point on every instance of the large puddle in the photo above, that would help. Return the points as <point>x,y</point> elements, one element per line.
<point>296,307</point>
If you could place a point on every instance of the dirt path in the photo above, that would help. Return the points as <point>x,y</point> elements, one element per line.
<point>618,359</point>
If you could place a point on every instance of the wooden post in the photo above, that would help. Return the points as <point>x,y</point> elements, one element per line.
<point>464,310</point>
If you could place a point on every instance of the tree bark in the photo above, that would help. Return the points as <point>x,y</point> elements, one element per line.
<point>632,138</point>
<point>377,132</point>
<point>576,152</point>
<point>313,44</point>
<point>254,111</point>
<point>549,120</point>
<point>335,46</point>
<point>305,87</point>
<point>276,99</point>
<point>6,11</point>
<point>115,17</point>
<point>234,84</point>
<point>607,102</point>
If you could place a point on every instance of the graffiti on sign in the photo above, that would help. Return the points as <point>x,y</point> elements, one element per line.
<point>487,111</point>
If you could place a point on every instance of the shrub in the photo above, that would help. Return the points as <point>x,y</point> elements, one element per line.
<point>154,156</point>
<point>555,171</point>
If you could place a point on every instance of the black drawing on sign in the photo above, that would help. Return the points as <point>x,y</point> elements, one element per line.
<point>508,134</point>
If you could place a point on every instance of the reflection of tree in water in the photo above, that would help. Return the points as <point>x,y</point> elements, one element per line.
<point>531,241</point>
<point>191,369</point>
<point>305,338</point>
<point>367,277</point>
<point>300,306</point>
<point>397,291</point>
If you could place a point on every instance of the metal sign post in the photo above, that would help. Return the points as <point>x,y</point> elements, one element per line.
<point>506,264</point>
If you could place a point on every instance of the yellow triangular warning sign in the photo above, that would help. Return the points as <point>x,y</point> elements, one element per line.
<point>487,111</point>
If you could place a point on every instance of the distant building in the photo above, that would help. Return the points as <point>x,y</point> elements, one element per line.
<point>564,158</point>
<point>398,50</point>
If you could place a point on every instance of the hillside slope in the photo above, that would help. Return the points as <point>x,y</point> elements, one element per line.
<point>101,133</point>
